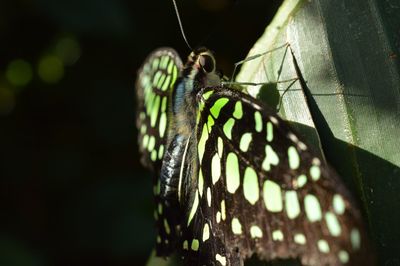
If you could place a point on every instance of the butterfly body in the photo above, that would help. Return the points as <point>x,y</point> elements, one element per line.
<point>232,179</point>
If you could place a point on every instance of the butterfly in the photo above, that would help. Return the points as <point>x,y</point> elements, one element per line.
<point>231,178</point>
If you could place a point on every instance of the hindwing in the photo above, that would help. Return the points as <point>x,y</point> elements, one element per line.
<point>155,82</point>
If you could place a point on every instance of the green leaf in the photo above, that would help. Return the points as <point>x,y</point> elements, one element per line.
<point>348,99</point>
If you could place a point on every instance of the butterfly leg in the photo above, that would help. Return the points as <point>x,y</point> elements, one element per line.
<point>286,46</point>
<point>255,86</point>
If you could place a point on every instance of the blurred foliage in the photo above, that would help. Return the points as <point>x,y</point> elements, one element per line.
<point>72,190</point>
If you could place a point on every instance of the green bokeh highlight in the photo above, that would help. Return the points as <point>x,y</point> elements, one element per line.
<point>68,50</point>
<point>19,72</point>
<point>50,69</point>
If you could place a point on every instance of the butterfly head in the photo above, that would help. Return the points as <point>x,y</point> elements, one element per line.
<point>199,72</point>
<point>203,60</point>
<point>202,68</point>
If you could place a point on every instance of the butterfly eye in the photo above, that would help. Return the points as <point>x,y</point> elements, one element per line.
<point>207,63</point>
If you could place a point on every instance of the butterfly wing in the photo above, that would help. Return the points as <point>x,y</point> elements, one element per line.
<point>156,79</point>
<point>154,85</point>
<point>261,190</point>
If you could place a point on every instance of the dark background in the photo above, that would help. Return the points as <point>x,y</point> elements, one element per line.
<point>72,191</point>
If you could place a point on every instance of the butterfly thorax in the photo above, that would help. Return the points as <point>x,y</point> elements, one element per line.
<point>199,72</point>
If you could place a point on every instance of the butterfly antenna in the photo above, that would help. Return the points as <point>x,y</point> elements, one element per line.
<point>180,24</point>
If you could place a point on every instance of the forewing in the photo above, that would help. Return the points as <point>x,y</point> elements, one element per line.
<point>262,190</point>
<point>154,84</point>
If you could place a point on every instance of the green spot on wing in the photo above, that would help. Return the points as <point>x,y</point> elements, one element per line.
<point>170,66</point>
<point>156,61</point>
<point>174,75</point>
<point>300,239</point>
<point>355,239</point>
<point>292,204</point>
<point>202,142</point>
<point>195,245</point>
<point>143,129</point>
<point>301,180</point>
<point>223,210</point>
<point>270,132</point>
<point>343,256</point>
<point>153,155</point>
<point>163,124</point>
<point>333,224</point>
<point>277,235</point>
<point>272,194</point>
<point>232,173</point>
<point>228,127</point>
<point>161,81</point>
<point>194,208</point>
<point>161,152</point>
<point>152,142</point>
<point>185,245</point>
<point>166,84</point>
<point>255,232</point>
<point>200,184</point>
<point>313,208</point>
<point>160,207</point>
<point>238,112</point>
<point>166,227</point>
<point>236,226</point>
<point>338,204</point>
<point>210,123</point>
<point>271,158</point>
<point>245,141</point>
<point>145,141</point>
<point>323,246</point>
<point>207,95</point>
<point>164,104</point>
<point>294,159</point>
<point>215,168</point>
<point>150,102</point>
<point>164,62</point>
<point>156,78</point>
<point>154,111</point>
<point>220,147</point>
<point>250,185</point>
<point>217,106</point>
<point>315,172</point>
<point>258,121</point>
<point>206,232</point>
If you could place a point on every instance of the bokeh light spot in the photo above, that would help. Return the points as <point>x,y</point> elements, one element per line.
<point>50,69</point>
<point>68,50</point>
<point>7,101</point>
<point>19,72</point>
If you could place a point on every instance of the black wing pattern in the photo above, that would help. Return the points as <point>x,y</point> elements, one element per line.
<point>261,190</point>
